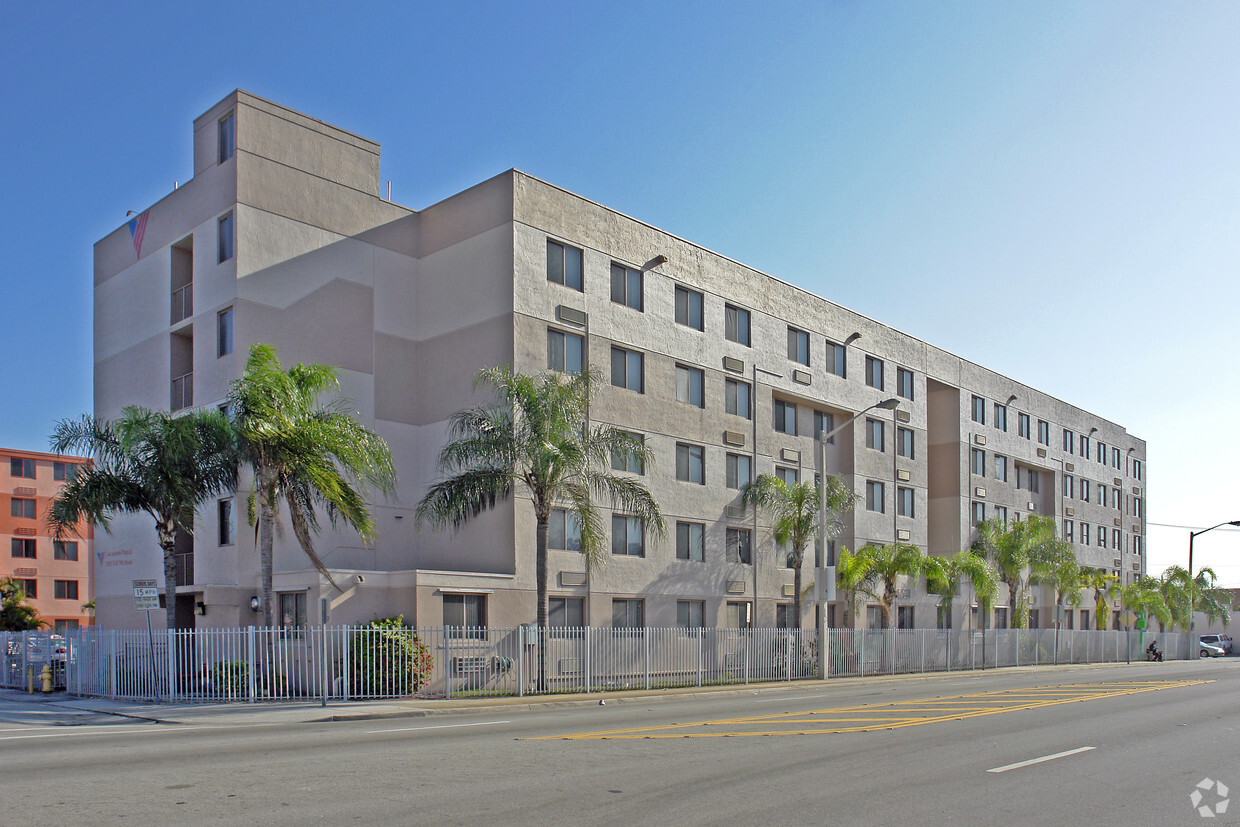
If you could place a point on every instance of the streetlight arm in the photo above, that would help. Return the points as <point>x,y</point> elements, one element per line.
<point>886,404</point>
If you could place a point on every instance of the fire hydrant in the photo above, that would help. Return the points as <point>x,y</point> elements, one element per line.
<point>46,676</point>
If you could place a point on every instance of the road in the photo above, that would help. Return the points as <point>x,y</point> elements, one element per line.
<point>1101,744</point>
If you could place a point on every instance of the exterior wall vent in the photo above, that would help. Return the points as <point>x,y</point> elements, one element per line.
<point>1041,452</point>
<point>25,492</point>
<point>1069,466</point>
<point>1070,511</point>
<point>801,377</point>
<point>1136,490</point>
<point>1117,562</point>
<point>903,416</point>
<point>733,438</point>
<point>903,476</point>
<point>904,534</point>
<point>1118,522</point>
<point>571,315</point>
<point>733,364</point>
<point>25,532</point>
<point>790,590</point>
<point>1117,481</point>
<point>734,512</point>
<point>1136,529</point>
<point>572,578</point>
<point>790,455</point>
<point>979,491</point>
<point>1032,507</point>
<point>736,587</point>
<point>979,439</point>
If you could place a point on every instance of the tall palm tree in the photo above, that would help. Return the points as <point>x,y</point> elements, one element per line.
<point>536,437</point>
<point>1209,599</point>
<point>305,452</point>
<point>795,512</point>
<point>944,574</point>
<point>1105,586</point>
<point>1059,569</point>
<point>1173,585</point>
<point>1017,548</point>
<point>145,462</point>
<point>874,566</point>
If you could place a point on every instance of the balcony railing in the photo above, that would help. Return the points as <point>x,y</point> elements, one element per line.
<point>183,303</point>
<point>182,392</point>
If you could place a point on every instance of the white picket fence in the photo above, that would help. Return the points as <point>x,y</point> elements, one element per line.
<point>353,663</point>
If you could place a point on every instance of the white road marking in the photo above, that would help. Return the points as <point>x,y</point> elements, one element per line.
<point>1033,761</point>
<point>794,698</point>
<point>438,726</point>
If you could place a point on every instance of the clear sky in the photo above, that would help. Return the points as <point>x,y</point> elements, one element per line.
<point>1048,189</point>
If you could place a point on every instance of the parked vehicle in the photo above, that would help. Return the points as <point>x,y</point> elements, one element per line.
<point>1221,641</point>
<point>1211,650</point>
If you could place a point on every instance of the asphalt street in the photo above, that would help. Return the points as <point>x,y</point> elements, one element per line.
<point>1098,744</point>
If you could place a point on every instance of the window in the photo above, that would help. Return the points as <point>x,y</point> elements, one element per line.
<point>977,461</point>
<point>904,443</point>
<point>1032,479</point>
<point>31,588</point>
<point>1136,544</point>
<point>739,614</point>
<point>824,423</point>
<point>1136,507</point>
<point>785,417</point>
<point>21,468</point>
<point>904,502</point>
<point>1102,536</point>
<point>830,561</point>
<point>691,542</point>
<point>563,530</point>
<point>874,497</point>
<point>1115,459</point>
<point>627,537</point>
<point>1068,486</point>
<point>224,332</point>
<point>1085,534</point>
<point>1001,617</point>
<point>22,547</point>
<point>904,617</point>
<point>874,372</point>
<point>943,619</point>
<point>1084,445</point>
<point>736,397</point>
<point>736,325</point>
<point>631,461</point>
<point>1117,539</point>
<point>627,369</point>
<point>226,142</point>
<point>689,308</point>
<point>1102,452</point>
<point>1102,494</point>
<point>1085,490</point>
<point>874,617</point>
<point>738,470</point>
<point>978,512</point>
<point>1022,425</point>
<point>691,614</point>
<point>628,613</point>
<point>564,265</point>
<point>784,617</point>
<point>1044,432</point>
<point>798,346</point>
<point>64,471</point>
<point>626,286</point>
<point>466,611</point>
<point>1069,441</point>
<point>22,508</point>
<point>565,351</point>
<point>837,361</point>
<point>690,463</point>
<point>875,434</point>
<point>788,476</point>
<point>292,610</point>
<point>979,410</point>
<point>224,511</point>
<point>904,383</point>
<point>1000,416</point>
<point>739,546</point>
<point>1136,469</point>
<point>1033,618</point>
<point>1001,468</point>
<point>1068,525</point>
<point>566,612</point>
<point>691,386</point>
<point>1001,514</point>
<point>64,550</point>
<point>224,238</point>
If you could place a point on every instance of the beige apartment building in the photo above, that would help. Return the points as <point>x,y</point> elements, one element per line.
<point>283,236</point>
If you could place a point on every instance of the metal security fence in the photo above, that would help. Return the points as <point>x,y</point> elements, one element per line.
<point>368,662</point>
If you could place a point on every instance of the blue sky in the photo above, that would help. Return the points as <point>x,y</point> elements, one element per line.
<point>1047,189</point>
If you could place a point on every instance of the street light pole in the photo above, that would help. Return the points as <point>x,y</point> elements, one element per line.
<point>1192,592</point>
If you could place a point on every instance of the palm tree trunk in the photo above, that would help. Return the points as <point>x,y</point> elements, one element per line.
<point>168,543</point>
<point>796,589</point>
<point>540,564</point>
<point>266,545</point>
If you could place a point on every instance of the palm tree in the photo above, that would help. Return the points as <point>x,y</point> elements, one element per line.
<point>876,565</point>
<point>1174,587</point>
<point>1213,602</point>
<point>305,452</point>
<point>537,438</point>
<point>16,614</point>
<point>795,513</point>
<point>1144,596</point>
<point>1105,586</point>
<point>146,461</point>
<point>1060,570</point>
<point>944,574</point>
<point>854,575</point>
<point>1016,548</point>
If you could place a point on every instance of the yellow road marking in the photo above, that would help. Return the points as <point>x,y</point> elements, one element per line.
<point>885,716</point>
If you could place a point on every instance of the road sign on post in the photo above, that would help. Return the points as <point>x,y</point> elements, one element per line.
<point>145,595</point>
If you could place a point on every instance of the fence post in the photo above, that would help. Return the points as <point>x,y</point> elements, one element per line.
<point>172,665</point>
<point>252,688</point>
<point>861,669</point>
<point>646,640</point>
<point>700,631</point>
<point>922,642</point>
<point>520,662</point>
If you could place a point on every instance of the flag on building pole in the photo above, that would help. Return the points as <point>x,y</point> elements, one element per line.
<point>137,229</point>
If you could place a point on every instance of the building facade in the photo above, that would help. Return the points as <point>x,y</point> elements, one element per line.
<point>56,574</point>
<point>282,236</point>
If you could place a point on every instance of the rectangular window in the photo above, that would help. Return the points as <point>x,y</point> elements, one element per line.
<point>1136,507</point>
<point>904,617</point>
<point>691,614</point>
<point>1069,441</point>
<point>1022,425</point>
<point>565,351</point>
<point>837,360</point>
<point>1102,452</point>
<point>798,346</point>
<point>65,589</point>
<point>1085,534</point>
<point>977,461</point>
<point>224,514</point>
<point>904,502</point>
<point>1068,486</point>
<point>736,325</point>
<point>563,530</point>
<point>824,423</point>
<point>1102,494</point>
<point>627,536</point>
<point>1102,536</point>
<point>978,514</point>
<point>739,546</point>
<point>690,463</point>
<point>788,476</point>
<point>904,383</point>
<point>784,616</point>
<point>689,308</point>
<point>22,508</point>
<point>1001,468</point>
<point>904,443</point>
<point>1136,544</point>
<point>1136,469</point>
<point>224,238</point>
<point>566,612</point>
<point>64,471</point>
<point>1085,490</point>
<point>1001,617</point>
<point>736,397</point>
<point>979,410</point>
<point>21,467</point>
<point>943,618</point>
<point>466,611</point>
<point>64,550</point>
<point>1083,443</point>
<point>1033,618</point>
<point>875,497</point>
<point>23,548</point>
<point>292,610</point>
<point>738,471</point>
<point>1044,432</point>
<point>1115,459</point>
<point>785,417</point>
<point>1001,416</point>
<point>874,372</point>
<point>1001,513</point>
<point>628,613</point>
<point>1032,480</point>
<point>31,588</point>
<point>1068,525</point>
<point>740,614</point>
<point>875,434</point>
<point>564,265</point>
<point>691,542</point>
<point>224,332</point>
<point>627,369</point>
<point>1117,539</point>
<point>226,139</point>
<point>626,286</point>
<point>630,461</point>
<point>691,386</point>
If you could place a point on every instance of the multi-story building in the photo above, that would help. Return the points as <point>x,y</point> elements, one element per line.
<point>55,573</point>
<point>283,236</point>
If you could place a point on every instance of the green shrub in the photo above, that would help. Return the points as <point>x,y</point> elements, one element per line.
<point>387,658</point>
<point>230,677</point>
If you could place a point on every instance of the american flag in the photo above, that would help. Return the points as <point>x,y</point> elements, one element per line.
<point>137,229</point>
